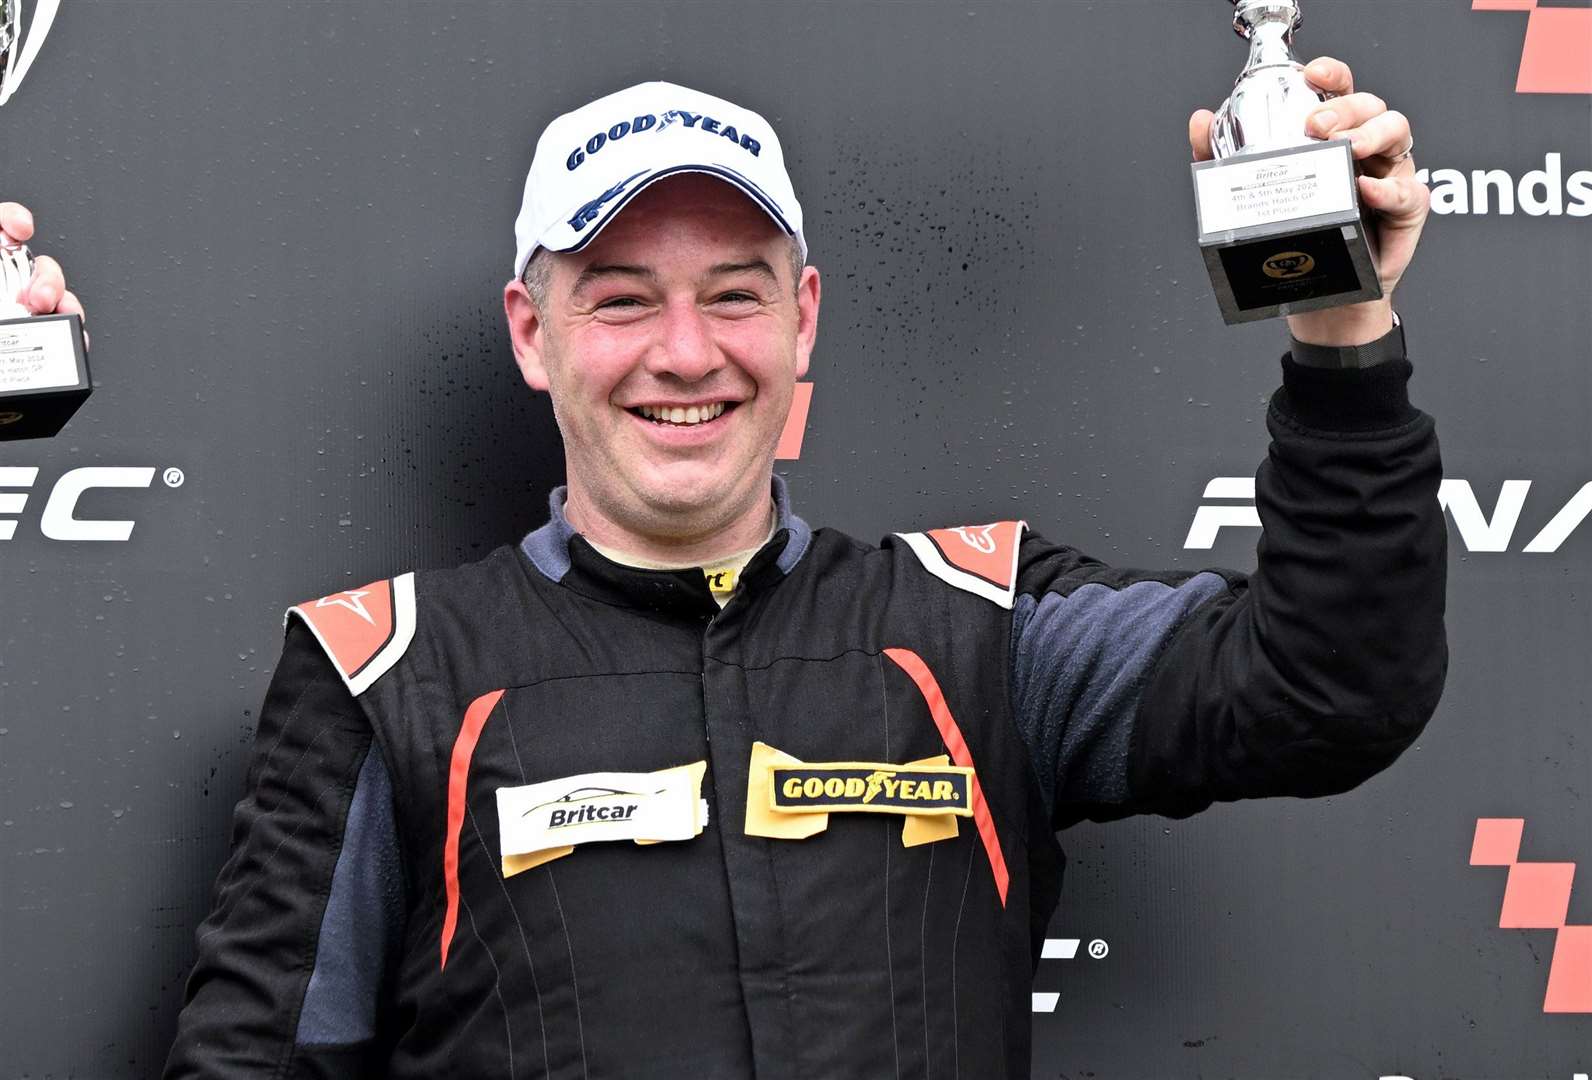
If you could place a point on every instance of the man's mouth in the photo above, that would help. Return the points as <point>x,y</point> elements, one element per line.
<point>684,415</point>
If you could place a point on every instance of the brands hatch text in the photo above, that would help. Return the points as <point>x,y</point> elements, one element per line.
<point>1544,192</point>
<point>1476,530</point>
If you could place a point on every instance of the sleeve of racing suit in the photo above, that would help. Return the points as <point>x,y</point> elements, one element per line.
<point>1162,693</point>
<point>293,960</point>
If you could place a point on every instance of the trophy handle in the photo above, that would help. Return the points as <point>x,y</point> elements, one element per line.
<point>43,17</point>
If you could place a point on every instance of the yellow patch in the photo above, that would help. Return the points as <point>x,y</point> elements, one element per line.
<point>721,579</point>
<point>790,799</point>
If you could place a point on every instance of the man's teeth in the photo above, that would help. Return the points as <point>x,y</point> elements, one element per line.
<point>692,415</point>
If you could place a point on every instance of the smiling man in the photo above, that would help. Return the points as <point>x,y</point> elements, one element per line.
<point>680,787</point>
<point>670,346</point>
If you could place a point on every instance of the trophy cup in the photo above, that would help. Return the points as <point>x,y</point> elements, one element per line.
<point>43,366</point>
<point>1280,223</point>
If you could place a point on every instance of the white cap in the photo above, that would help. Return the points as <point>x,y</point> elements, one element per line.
<point>591,162</point>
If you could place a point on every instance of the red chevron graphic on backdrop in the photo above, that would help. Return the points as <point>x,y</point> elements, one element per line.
<point>1557,57</point>
<point>1537,897</point>
<point>790,439</point>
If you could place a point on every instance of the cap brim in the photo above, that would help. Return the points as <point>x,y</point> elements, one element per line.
<point>584,222</point>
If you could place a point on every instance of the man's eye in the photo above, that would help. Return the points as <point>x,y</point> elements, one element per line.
<point>620,301</point>
<point>736,296</point>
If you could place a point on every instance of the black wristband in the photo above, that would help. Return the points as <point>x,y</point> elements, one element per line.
<point>1390,346</point>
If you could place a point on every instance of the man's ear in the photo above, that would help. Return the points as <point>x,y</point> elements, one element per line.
<point>527,332</point>
<point>808,293</point>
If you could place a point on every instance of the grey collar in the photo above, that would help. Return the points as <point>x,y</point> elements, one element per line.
<point>548,546</point>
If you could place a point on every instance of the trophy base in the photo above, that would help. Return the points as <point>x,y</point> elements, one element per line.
<point>43,375</point>
<point>1283,232</point>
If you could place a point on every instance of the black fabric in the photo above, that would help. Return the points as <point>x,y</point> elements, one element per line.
<point>1327,666</point>
<point>845,954</point>
<point>257,948</point>
<point>1347,401</point>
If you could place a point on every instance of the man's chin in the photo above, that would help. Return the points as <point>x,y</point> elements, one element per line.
<point>691,499</point>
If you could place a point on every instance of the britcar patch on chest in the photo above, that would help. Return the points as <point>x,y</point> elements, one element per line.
<point>541,822</point>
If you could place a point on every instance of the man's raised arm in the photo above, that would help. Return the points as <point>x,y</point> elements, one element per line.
<point>1161,693</point>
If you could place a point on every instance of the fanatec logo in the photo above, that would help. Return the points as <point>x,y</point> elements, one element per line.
<point>1063,949</point>
<point>60,521</point>
<point>1477,531</point>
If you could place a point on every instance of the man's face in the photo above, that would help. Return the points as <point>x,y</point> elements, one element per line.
<point>670,346</point>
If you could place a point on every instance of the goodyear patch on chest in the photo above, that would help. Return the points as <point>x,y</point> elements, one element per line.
<point>872,787</point>
<point>791,799</point>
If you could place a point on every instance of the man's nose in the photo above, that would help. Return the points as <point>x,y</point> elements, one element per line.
<point>686,348</point>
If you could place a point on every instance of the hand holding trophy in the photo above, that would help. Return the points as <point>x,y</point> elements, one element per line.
<point>43,348</point>
<point>1285,174</point>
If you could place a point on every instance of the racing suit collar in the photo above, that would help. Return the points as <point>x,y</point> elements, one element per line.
<point>562,555</point>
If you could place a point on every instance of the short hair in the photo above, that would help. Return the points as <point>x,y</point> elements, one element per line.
<point>537,277</point>
<point>538,273</point>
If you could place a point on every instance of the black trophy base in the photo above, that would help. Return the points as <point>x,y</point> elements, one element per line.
<point>1266,258</point>
<point>1292,272</point>
<point>43,375</point>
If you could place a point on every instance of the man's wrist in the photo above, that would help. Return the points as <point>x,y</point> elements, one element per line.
<point>1390,346</point>
<point>1355,324</point>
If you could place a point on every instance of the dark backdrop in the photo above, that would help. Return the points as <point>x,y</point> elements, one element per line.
<point>291,223</point>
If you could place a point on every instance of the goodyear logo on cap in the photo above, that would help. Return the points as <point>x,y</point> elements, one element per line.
<point>873,787</point>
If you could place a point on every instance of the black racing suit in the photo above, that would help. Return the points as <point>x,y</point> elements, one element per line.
<point>364,925</point>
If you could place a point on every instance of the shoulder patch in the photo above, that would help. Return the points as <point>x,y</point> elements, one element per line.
<point>981,559</point>
<point>363,630</point>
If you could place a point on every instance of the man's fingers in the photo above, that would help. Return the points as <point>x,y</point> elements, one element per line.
<point>47,286</point>
<point>16,221</point>
<point>71,305</point>
<point>1401,200</point>
<point>1199,134</point>
<point>1330,75</point>
<point>1340,114</point>
<point>1384,136</point>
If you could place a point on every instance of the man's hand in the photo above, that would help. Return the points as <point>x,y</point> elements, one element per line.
<point>1387,186</point>
<point>46,293</point>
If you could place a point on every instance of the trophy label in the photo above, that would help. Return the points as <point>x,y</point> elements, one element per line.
<point>1266,273</point>
<point>37,355</point>
<point>1240,193</point>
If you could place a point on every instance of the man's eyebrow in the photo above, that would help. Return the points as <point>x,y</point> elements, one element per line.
<point>755,266</point>
<point>592,274</point>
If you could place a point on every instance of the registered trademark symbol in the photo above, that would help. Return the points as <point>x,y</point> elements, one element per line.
<point>1098,948</point>
<point>173,477</point>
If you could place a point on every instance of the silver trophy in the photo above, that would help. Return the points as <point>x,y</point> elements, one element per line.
<point>15,64</point>
<point>1280,222</point>
<point>43,365</point>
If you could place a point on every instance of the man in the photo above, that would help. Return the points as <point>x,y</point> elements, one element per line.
<point>680,787</point>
